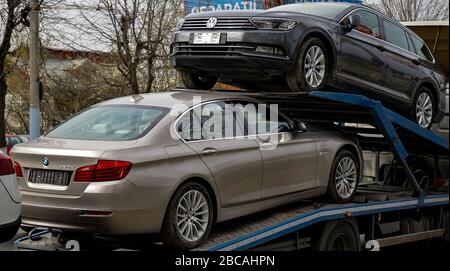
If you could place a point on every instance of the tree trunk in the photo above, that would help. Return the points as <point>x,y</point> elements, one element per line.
<point>5,45</point>
<point>150,76</point>
<point>133,79</point>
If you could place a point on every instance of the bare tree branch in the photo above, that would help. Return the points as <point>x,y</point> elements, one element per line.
<point>413,10</point>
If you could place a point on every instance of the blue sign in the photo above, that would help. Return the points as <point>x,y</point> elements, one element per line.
<point>198,6</point>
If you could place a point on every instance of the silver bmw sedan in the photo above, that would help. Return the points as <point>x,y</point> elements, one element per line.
<point>175,163</point>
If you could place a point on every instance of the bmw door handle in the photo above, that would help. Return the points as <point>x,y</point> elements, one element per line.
<point>209,152</point>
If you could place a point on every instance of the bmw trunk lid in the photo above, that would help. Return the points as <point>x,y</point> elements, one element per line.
<point>49,165</point>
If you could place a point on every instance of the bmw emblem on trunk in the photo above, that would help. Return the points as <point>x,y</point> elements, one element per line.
<point>45,162</point>
<point>212,22</point>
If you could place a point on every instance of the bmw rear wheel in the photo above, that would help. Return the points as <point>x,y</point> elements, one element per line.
<point>312,69</point>
<point>344,177</point>
<point>195,81</point>
<point>423,108</point>
<point>189,217</point>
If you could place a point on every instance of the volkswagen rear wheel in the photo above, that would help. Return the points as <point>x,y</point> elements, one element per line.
<point>423,112</point>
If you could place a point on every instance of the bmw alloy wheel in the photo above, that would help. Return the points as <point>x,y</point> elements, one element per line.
<point>346,177</point>
<point>192,216</point>
<point>424,110</point>
<point>314,67</point>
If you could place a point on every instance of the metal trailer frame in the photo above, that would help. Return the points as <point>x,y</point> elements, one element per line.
<point>399,135</point>
<point>342,107</point>
<point>323,215</point>
<point>396,130</point>
<point>387,119</point>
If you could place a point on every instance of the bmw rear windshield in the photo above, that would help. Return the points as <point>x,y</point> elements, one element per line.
<point>110,123</point>
<point>327,10</point>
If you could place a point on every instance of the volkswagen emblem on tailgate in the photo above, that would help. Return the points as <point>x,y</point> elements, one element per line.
<point>45,162</point>
<point>212,22</point>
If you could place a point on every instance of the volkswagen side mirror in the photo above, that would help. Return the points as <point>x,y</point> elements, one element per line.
<point>353,21</point>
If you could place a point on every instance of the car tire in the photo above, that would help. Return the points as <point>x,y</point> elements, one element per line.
<point>344,177</point>
<point>193,81</point>
<point>174,233</point>
<point>8,233</point>
<point>423,109</point>
<point>297,80</point>
<point>337,236</point>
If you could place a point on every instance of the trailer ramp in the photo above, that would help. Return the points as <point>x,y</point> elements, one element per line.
<point>247,235</point>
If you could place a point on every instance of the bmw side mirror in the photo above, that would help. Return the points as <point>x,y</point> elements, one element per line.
<point>299,127</point>
<point>353,21</point>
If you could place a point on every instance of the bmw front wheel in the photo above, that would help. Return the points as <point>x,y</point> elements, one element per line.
<point>344,177</point>
<point>189,217</point>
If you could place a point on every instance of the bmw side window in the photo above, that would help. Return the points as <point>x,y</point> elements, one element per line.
<point>217,121</point>
<point>189,128</point>
<point>209,121</point>
<point>395,35</point>
<point>369,23</point>
<point>421,49</point>
<point>258,119</point>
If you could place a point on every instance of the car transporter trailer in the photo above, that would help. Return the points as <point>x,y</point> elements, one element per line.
<point>399,207</point>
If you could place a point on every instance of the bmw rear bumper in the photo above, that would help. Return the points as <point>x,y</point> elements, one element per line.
<point>108,208</point>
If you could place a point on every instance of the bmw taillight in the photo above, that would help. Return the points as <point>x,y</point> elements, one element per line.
<point>6,165</point>
<point>103,171</point>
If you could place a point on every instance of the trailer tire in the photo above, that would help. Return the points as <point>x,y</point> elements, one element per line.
<point>171,234</point>
<point>338,236</point>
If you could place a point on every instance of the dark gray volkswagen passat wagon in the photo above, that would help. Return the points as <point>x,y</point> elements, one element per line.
<point>313,46</point>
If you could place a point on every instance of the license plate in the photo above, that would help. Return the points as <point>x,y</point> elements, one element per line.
<point>206,38</point>
<point>52,177</point>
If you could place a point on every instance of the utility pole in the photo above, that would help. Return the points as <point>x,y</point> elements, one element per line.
<point>35,114</point>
